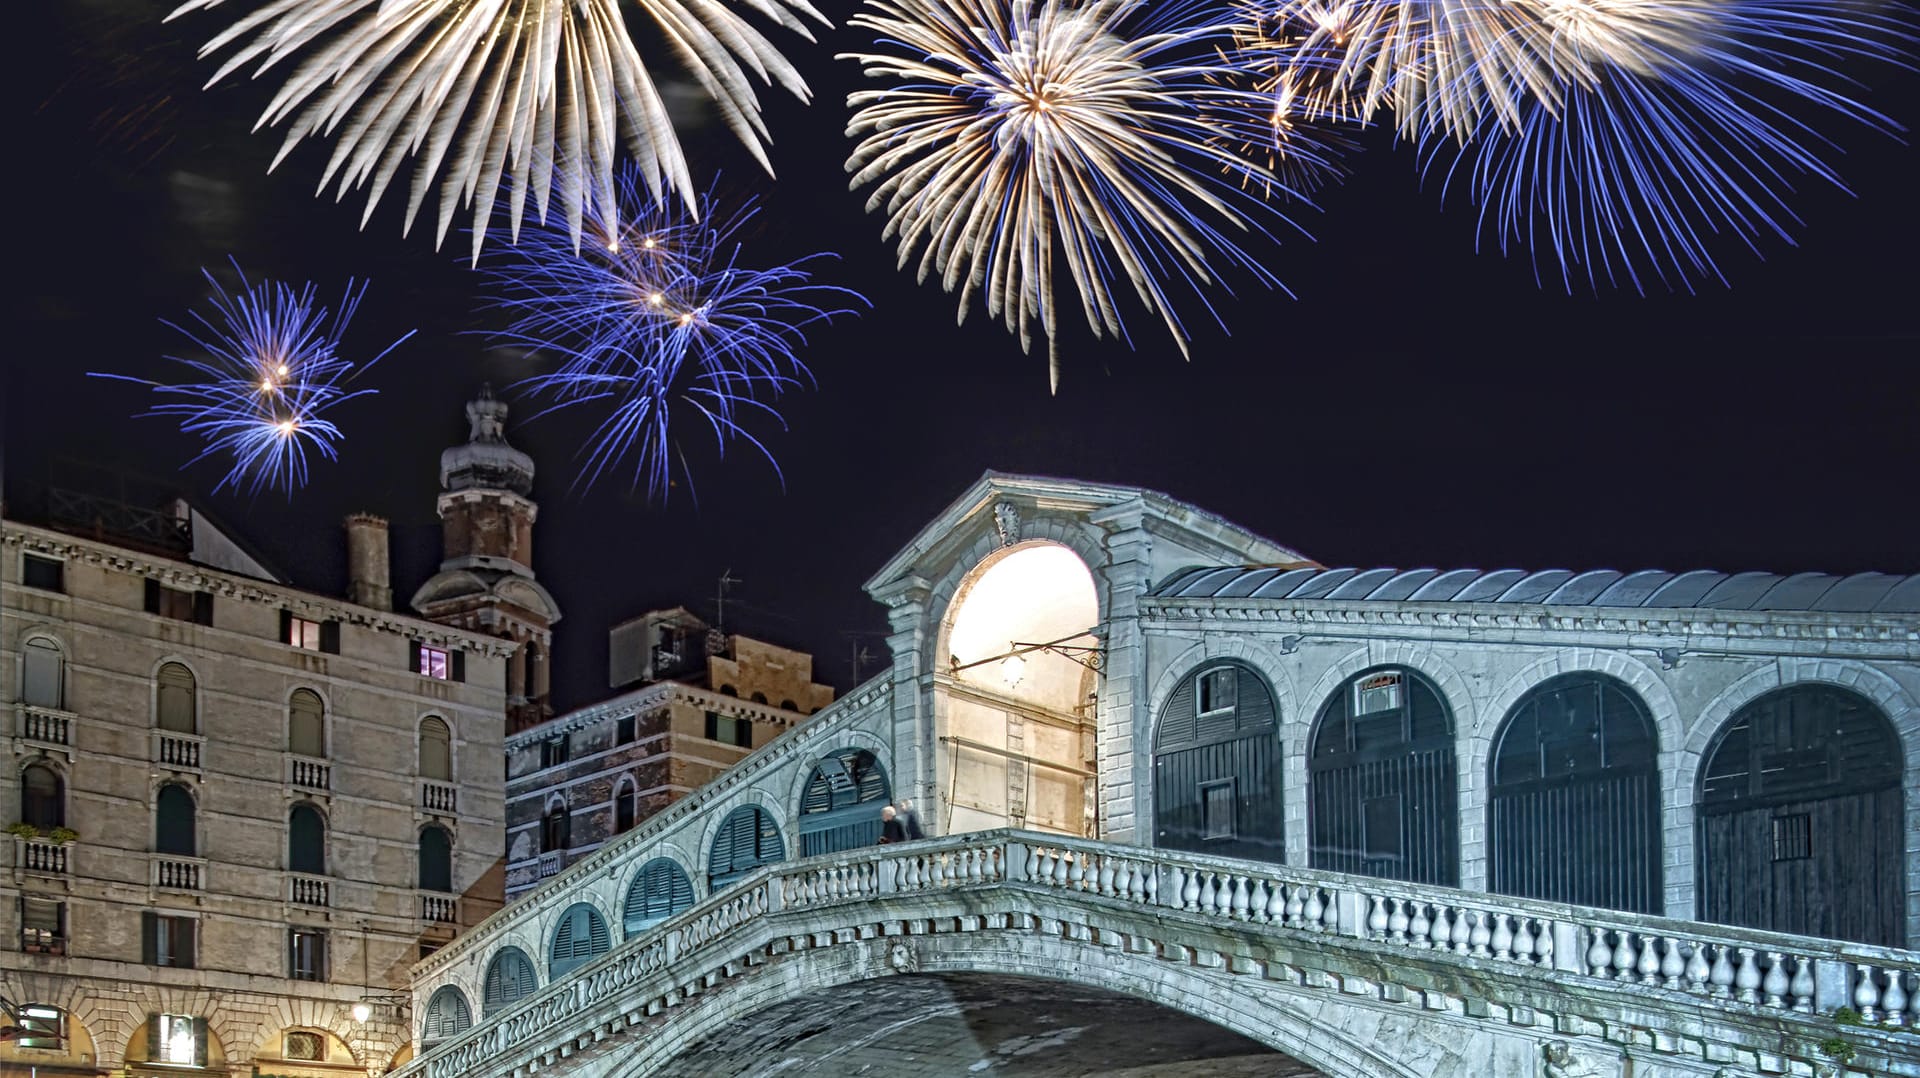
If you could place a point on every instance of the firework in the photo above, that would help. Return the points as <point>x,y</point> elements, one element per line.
<point>539,94</point>
<point>654,315</point>
<point>1105,131</point>
<point>1646,171</point>
<point>270,372</point>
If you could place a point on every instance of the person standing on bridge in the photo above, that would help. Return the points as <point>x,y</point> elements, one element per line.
<point>890,828</point>
<point>910,820</point>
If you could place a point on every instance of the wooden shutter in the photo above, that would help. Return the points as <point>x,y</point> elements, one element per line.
<point>286,626</point>
<point>1178,722</point>
<point>153,1033</point>
<point>152,595</point>
<point>150,942</point>
<point>185,943</point>
<point>42,676</point>
<point>658,892</point>
<point>203,608</point>
<point>200,1037</point>
<point>330,637</point>
<point>457,665</point>
<point>177,703</point>
<point>306,724</point>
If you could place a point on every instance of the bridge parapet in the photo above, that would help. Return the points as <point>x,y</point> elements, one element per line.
<point>1698,994</point>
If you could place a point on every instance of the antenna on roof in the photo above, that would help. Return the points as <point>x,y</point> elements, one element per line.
<point>727,580</point>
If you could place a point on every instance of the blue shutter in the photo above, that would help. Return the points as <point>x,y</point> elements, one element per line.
<point>748,838</point>
<point>660,890</point>
<point>840,808</point>
<point>447,1015</point>
<point>580,937</point>
<point>510,979</point>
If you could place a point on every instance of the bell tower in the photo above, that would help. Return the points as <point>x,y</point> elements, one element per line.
<point>486,583</point>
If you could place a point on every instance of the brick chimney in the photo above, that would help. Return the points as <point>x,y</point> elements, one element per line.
<point>369,579</point>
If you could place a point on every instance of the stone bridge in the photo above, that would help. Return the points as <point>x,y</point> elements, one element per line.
<point>1355,977</point>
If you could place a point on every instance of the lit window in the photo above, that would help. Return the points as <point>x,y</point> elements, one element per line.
<point>177,1038</point>
<point>42,1027</point>
<point>1217,690</point>
<point>431,662</point>
<point>43,926</point>
<point>302,633</point>
<point>1381,692</point>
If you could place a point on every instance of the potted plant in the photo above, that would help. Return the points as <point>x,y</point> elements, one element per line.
<point>23,830</point>
<point>63,835</point>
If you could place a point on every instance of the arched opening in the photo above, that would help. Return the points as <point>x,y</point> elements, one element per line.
<point>747,839</point>
<point>173,824</point>
<point>1217,766</point>
<point>1573,814</point>
<point>447,1016</point>
<point>48,1038</point>
<point>436,750</point>
<point>176,700</point>
<point>436,859</point>
<point>841,802</point>
<point>963,1023</point>
<point>580,937</point>
<point>1014,696</point>
<point>659,890</point>
<point>176,1039</point>
<point>306,724</point>
<point>43,797</point>
<point>306,841</point>
<point>510,979</point>
<point>43,674</point>
<point>556,827</point>
<point>626,806</point>
<point>1802,819</point>
<point>1382,788</point>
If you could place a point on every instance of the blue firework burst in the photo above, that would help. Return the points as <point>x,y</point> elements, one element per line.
<point>653,317</point>
<point>268,373</point>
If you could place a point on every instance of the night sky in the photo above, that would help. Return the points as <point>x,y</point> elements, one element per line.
<point>1417,404</point>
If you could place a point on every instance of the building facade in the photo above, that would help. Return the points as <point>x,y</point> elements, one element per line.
<point>705,701</point>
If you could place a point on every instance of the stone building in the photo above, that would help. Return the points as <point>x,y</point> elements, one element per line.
<point>705,700</point>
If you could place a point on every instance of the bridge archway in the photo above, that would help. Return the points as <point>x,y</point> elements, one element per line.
<point>1014,709</point>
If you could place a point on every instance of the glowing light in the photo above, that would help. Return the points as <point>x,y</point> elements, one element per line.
<point>1013,670</point>
<point>362,1012</point>
<point>1013,133</point>
<point>726,351</point>
<point>542,95</point>
<point>261,427</point>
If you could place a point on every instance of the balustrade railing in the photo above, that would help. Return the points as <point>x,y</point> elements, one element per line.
<point>46,726</point>
<point>438,796</point>
<point>552,862</point>
<point>179,873</point>
<point>438,909</point>
<point>40,856</point>
<point>181,752</point>
<point>305,890</point>
<point>1705,965</point>
<point>309,773</point>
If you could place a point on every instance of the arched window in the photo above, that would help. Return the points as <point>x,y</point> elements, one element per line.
<point>659,890</point>
<point>789,705</point>
<point>436,859</point>
<point>43,674</point>
<point>178,707</point>
<point>728,690</point>
<point>306,724</point>
<point>579,938</point>
<point>447,1016</point>
<point>626,806</point>
<point>1573,814</point>
<point>43,797</point>
<point>306,841</point>
<point>510,979</point>
<point>556,827</point>
<point>173,828</point>
<point>747,839</point>
<point>1381,781</point>
<point>1216,766</point>
<point>758,698</point>
<point>841,802</point>
<point>436,750</point>
<point>1802,818</point>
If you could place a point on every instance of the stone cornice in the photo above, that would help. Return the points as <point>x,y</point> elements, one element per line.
<point>192,577</point>
<point>652,698</point>
<point>867,699</point>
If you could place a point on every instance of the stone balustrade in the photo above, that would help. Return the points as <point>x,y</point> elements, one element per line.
<point>308,773</point>
<point>45,726</point>
<point>438,796</point>
<point>306,890</point>
<point>1541,952</point>
<point>179,873</point>
<point>176,751</point>
<point>438,909</point>
<point>39,856</point>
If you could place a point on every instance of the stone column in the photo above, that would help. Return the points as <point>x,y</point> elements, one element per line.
<point>1125,577</point>
<point>915,753</point>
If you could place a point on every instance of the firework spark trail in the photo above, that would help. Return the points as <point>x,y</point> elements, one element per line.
<point>655,314</point>
<point>1103,133</point>
<point>537,94</point>
<point>272,368</point>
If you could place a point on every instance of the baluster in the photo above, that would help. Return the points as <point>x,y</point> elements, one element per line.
<point>1377,919</point>
<point>1775,984</point>
<point>1442,930</point>
<point>1746,977</point>
<point>1330,915</point>
<point>1462,931</point>
<point>1313,908</point>
<point>1523,939</point>
<point>1671,964</point>
<point>1137,877</point>
<point>1649,964</point>
<point>1063,867</point>
<point>1043,872</point>
<point>1277,904</point>
<point>1152,885</point>
<point>1207,894</point>
<point>1866,995</point>
<point>1104,884</point>
<point>1478,939</point>
<point>1238,904</point>
<point>977,866</point>
<point>1294,905</point>
<point>1397,920</point>
<point>1699,970</point>
<point>1543,945</point>
<point>1033,862</point>
<point>1894,1000</point>
<point>1800,990</point>
<point>1599,955</point>
<point>1257,901</point>
<point>1418,926</point>
<point>1077,875</point>
<point>1623,955</point>
<point>1190,891</point>
<point>1502,937</point>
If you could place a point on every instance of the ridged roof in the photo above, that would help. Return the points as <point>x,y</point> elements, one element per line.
<point>1701,589</point>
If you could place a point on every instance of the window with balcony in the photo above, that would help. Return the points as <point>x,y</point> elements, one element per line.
<point>43,797</point>
<point>167,941</point>
<point>43,674</point>
<point>436,750</point>
<point>306,724</point>
<point>173,822</point>
<point>176,700</point>
<point>194,606</point>
<point>306,954</point>
<point>47,574</point>
<point>306,841</point>
<point>436,859</point>
<point>556,828</point>
<point>178,1039</point>
<point>43,926</point>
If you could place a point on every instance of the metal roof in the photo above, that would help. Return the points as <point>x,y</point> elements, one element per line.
<point>1701,589</point>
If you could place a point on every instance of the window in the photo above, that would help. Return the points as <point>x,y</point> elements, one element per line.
<point>194,606</point>
<point>306,954</point>
<point>302,633</point>
<point>729,731</point>
<point>177,1038</point>
<point>47,574</point>
<point>304,1046</point>
<point>43,801</point>
<point>428,948</point>
<point>1217,690</point>
<point>438,663</point>
<point>658,891</point>
<point>1377,692</point>
<point>436,859</point>
<point>43,674</point>
<point>625,808</point>
<point>759,698</point>
<point>436,750</point>
<point>580,937</point>
<point>173,824</point>
<point>306,724</point>
<point>626,730</point>
<point>176,699</point>
<point>1793,837</point>
<point>447,1016</point>
<point>553,751</point>
<point>167,941</point>
<point>728,690</point>
<point>306,841</point>
<point>509,980</point>
<point>1216,807</point>
<point>556,828</point>
<point>42,1026</point>
<point>789,705</point>
<point>43,926</point>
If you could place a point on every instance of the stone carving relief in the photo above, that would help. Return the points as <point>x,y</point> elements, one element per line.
<point>1561,1061</point>
<point>1006,520</point>
<point>903,958</point>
